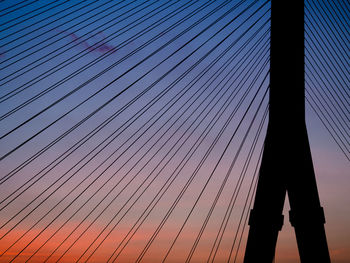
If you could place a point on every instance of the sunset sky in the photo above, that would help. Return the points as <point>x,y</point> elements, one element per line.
<point>126,127</point>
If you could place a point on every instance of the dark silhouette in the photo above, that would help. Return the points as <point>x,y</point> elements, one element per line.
<point>287,162</point>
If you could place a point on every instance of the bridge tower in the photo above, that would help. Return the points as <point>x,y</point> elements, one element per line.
<point>287,163</point>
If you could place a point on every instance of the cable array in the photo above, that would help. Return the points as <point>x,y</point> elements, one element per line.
<point>132,155</point>
<point>128,124</point>
<point>327,68</point>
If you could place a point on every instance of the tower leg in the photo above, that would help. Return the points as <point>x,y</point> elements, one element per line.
<point>266,217</point>
<point>306,214</point>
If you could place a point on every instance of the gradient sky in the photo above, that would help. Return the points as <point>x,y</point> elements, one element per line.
<point>37,39</point>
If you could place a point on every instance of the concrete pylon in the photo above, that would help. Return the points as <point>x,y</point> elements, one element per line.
<point>287,163</point>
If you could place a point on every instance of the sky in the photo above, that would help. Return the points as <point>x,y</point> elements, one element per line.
<point>126,127</point>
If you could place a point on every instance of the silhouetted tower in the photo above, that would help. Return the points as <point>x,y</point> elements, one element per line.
<point>287,163</point>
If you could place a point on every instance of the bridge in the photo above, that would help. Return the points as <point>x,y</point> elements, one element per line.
<point>134,130</point>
